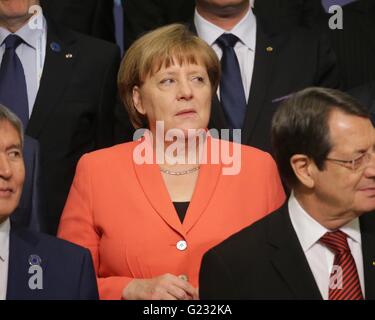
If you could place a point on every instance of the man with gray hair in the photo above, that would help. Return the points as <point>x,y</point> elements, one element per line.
<point>24,253</point>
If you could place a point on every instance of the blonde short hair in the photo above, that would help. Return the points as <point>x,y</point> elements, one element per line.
<point>161,48</point>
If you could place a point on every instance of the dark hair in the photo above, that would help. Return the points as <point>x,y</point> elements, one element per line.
<point>7,115</point>
<point>300,126</point>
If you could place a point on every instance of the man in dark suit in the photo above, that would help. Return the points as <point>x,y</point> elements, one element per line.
<point>354,45</point>
<point>33,265</point>
<point>91,17</point>
<point>141,16</point>
<point>272,66</point>
<point>71,89</point>
<point>320,244</point>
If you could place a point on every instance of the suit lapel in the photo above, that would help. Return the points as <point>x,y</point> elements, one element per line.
<point>289,259</point>
<point>22,244</point>
<point>57,71</point>
<point>265,55</point>
<point>367,223</point>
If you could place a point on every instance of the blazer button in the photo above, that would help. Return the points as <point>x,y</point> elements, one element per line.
<point>181,245</point>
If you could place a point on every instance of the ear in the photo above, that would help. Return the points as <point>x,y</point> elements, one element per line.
<point>303,168</point>
<point>137,100</point>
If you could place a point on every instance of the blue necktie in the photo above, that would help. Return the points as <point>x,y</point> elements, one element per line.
<point>13,92</point>
<point>232,94</point>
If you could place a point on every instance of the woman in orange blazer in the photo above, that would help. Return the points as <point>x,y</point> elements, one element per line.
<point>148,222</point>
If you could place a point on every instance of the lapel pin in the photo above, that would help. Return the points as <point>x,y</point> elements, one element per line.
<point>373,263</point>
<point>35,260</point>
<point>69,56</point>
<point>55,47</point>
<point>269,49</point>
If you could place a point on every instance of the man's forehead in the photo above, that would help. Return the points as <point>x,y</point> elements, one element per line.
<point>350,132</point>
<point>9,136</point>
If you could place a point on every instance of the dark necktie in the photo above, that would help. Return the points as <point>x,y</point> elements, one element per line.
<point>344,280</point>
<point>13,92</point>
<point>232,94</point>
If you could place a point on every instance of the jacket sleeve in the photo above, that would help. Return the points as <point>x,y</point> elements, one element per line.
<point>77,225</point>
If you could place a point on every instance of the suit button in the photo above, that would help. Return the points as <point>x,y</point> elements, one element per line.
<point>184,277</point>
<point>181,245</point>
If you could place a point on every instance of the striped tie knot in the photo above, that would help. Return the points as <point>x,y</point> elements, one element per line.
<point>336,241</point>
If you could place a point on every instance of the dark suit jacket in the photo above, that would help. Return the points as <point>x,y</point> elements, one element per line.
<point>31,203</point>
<point>266,261</point>
<point>355,44</point>
<point>68,272</point>
<point>91,17</point>
<point>141,16</point>
<point>286,15</point>
<point>74,109</point>
<point>298,59</point>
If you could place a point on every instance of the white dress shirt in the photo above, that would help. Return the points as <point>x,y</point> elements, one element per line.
<point>4,257</point>
<point>319,257</point>
<point>245,31</point>
<point>32,55</point>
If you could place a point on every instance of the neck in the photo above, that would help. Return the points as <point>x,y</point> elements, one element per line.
<point>326,215</point>
<point>224,17</point>
<point>13,25</point>
<point>180,152</point>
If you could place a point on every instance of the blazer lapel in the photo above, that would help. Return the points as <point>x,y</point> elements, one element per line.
<point>265,56</point>
<point>22,245</point>
<point>208,179</point>
<point>367,223</point>
<point>152,183</point>
<point>57,71</point>
<point>289,259</point>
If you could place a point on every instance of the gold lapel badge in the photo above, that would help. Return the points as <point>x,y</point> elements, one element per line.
<point>269,49</point>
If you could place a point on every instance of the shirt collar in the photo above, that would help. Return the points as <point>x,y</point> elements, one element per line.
<point>4,236</point>
<point>29,36</point>
<point>245,30</point>
<point>309,231</point>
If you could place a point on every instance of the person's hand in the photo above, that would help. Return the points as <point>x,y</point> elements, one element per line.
<point>164,287</point>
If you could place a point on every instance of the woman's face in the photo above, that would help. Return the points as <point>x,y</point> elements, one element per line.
<point>179,95</point>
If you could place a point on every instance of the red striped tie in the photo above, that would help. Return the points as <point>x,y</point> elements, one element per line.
<point>344,281</point>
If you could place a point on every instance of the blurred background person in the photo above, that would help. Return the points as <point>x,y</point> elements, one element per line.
<point>62,85</point>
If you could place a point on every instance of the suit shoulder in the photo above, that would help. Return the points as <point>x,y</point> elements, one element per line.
<point>250,239</point>
<point>123,152</point>
<point>51,244</point>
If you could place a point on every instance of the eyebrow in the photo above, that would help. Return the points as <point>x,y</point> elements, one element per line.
<point>14,146</point>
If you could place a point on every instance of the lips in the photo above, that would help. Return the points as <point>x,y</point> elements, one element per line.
<point>186,112</point>
<point>370,191</point>
<point>5,192</point>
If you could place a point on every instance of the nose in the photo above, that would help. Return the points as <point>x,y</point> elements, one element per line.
<point>5,168</point>
<point>370,168</point>
<point>185,90</point>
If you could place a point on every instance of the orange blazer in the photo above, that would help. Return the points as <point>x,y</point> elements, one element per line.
<point>122,212</point>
